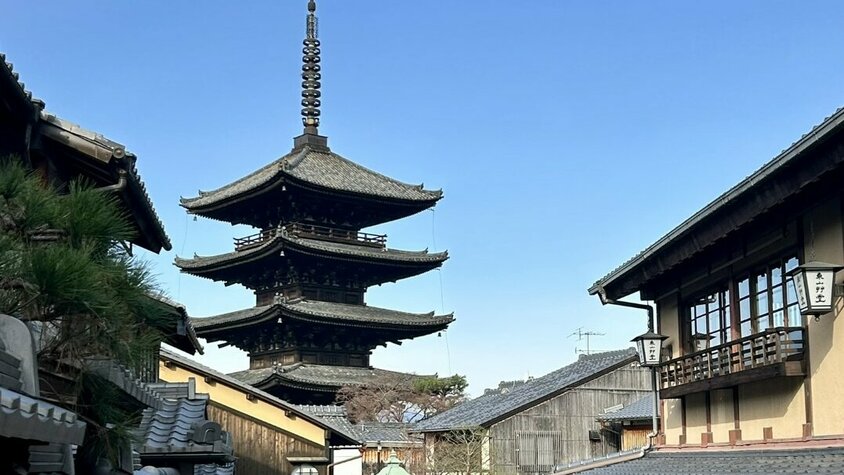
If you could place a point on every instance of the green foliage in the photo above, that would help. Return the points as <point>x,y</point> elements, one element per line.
<point>402,397</point>
<point>63,268</point>
<point>451,385</point>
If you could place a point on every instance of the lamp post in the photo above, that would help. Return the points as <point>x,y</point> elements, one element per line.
<point>813,283</point>
<point>649,347</point>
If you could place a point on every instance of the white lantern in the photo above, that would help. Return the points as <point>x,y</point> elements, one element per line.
<point>813,283</point>
<point>649,347</point>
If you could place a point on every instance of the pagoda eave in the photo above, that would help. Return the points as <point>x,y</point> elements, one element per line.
<point>316,172</point>
<point>402,324</point>
<point>389,264</point>
<point>315,377</point>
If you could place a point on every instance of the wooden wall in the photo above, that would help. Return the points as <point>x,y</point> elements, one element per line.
<point>261,449</point>
<point>634,437</point>
<point>557,431</point>
<point>413,458</point>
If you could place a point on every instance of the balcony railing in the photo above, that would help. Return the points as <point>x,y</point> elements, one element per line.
<point>253,240</point>
<point>773,353</point>
<point>311,231</point>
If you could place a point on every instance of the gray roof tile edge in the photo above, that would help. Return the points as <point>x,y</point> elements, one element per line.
<point>121,377</point>
<point>233,382</point>
<point>26,417</point>
<point>817,132</point>
<point>22,91</point>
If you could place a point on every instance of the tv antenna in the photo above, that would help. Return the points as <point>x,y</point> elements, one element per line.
<point>582,334</point>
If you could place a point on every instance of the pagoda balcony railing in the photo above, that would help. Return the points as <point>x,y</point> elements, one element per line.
<point>311,231</point>
<point>775,352</point>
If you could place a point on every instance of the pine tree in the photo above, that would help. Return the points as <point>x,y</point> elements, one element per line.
<point>64,270</point>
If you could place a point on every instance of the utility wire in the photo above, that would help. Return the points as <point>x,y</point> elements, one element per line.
<point>442,292</point>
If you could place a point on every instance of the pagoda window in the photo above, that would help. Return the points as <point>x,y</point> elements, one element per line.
<point>744,304</point>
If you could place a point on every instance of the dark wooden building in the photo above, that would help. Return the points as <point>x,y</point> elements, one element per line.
<point>310,264</point>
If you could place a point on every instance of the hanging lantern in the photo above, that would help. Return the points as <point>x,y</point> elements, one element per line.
<point>649,347</point>
<point>813,283</point>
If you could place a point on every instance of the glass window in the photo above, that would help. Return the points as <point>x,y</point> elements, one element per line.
<point>764,299</point>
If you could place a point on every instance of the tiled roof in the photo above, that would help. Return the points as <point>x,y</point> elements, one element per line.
<point>180,426</point>
<point>312,374</point>
<point>744,188</point>
<point>340,312</point>
<point>491,407</point>
<point>25,417</point>
<point>243,386</point>
<point>121,377</point>
<point>387,433</point>
<point>320,168</point>
<point>815,461</point>
<point>6,68</point>
<point>635,411</point>
<point>106,151</point>
<point>93,145</point>
<point>284,241</point>
<point>213,469</point>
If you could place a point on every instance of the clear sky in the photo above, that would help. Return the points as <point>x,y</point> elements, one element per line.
<point>567,135</point>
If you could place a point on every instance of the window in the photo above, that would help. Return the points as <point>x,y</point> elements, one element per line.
<point>751,303</point>
<point>710,318</point>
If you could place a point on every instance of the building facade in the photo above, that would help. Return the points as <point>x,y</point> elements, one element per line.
<point>741,365</point>
<point>269,436</point>
<point>544,421</point>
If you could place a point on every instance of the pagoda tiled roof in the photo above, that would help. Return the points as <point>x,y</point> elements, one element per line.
<point>313,375</point>
<point>340,312</point>
<point>283,240</point>
<point>316,167</point>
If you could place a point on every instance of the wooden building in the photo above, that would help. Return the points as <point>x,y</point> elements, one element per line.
<point>269,436</point>
<point>742,366</point>
<point>61,151</point>
<point>548,420</point>
<point>310,331</point>
<point>632,423</point>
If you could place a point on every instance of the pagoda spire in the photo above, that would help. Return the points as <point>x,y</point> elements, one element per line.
<point>311,74</point>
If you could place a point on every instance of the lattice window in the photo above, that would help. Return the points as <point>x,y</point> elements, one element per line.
<point>538,451</point>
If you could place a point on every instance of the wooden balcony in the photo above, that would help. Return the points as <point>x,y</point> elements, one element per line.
<point>310,231</point>
<point>776,352</point>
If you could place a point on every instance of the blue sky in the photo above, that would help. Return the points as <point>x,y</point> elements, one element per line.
<point>567,135</point>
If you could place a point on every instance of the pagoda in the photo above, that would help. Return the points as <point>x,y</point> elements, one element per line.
<point>310,265</point>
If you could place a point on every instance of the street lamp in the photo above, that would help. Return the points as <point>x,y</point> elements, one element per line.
<point>649,347</point>
<point>813,283</point>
